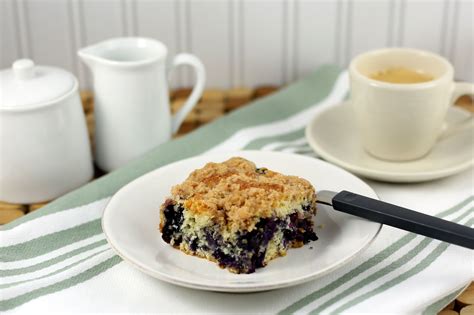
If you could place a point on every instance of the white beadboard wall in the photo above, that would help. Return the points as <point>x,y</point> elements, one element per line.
<point>242,43</point>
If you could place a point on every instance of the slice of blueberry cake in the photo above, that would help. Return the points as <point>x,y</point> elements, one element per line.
<point>238,215</point>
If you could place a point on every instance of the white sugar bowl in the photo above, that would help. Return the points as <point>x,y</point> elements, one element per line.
<point>44,145</point>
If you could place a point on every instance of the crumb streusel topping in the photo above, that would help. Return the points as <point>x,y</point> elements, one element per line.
<point>236,194</point>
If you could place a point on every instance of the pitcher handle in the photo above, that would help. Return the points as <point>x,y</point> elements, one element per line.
<point>193,61</point>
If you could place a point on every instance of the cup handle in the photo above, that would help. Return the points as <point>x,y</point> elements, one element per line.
<point>193,61</point>
<point>460,88</point>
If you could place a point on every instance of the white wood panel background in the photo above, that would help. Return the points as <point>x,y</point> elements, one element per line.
<point>242,43</point>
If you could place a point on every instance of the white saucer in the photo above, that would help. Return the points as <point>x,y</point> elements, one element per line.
<point>332,134</point>
<point>130,223</point>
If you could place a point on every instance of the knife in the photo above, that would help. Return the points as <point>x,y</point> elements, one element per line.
<point>402,218</point>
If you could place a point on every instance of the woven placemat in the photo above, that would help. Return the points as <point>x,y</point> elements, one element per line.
<point>215,103</point>
<point>464,303</point>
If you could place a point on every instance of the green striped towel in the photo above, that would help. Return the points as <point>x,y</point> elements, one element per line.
<point>57,260</point>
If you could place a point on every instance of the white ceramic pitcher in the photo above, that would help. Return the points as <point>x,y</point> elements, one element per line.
<point>132,111</point>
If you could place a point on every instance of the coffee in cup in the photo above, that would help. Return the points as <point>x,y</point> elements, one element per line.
<point>401,75</point>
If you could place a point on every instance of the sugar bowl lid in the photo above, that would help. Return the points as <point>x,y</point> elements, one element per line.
<point>26,85</point>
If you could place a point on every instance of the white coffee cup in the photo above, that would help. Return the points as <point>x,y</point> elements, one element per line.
<point>403,121</point>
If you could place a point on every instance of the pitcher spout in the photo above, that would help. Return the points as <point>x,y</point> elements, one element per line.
<point>124,51</point>
<point>89,55</point>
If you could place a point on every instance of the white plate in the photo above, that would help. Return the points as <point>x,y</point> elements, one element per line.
<point>333,135</point>
<point>131,219</point>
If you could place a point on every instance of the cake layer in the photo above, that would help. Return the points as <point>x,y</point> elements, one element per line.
<point>243,251</point>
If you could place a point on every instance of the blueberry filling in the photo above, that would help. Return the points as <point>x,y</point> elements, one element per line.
<point>248,251</point>
<point>253,244</point>
<point>174,219</point>
<point>212,241</point>
<point>193,245</point>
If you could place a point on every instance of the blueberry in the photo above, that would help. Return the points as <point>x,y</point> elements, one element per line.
<point>173,221</point>
<point>211,242</point>
<point>193,244</point>
<point>309,235</point>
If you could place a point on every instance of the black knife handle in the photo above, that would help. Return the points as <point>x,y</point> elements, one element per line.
<point>405,219</point>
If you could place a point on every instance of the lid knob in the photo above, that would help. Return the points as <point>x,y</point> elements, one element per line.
<point>23,69</point>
